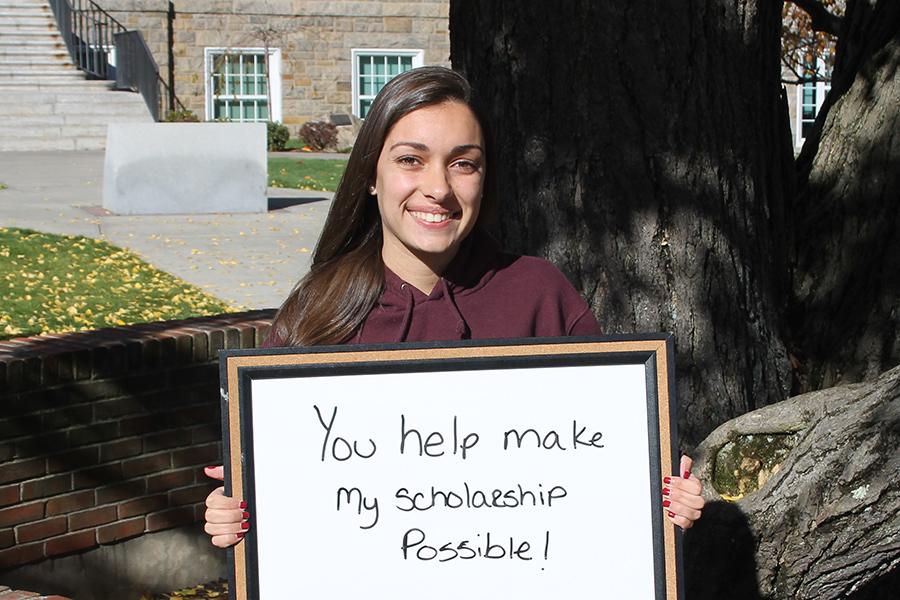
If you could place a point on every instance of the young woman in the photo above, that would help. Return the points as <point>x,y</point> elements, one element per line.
<point>402,257</point>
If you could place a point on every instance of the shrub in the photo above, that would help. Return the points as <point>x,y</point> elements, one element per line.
<point>277,136</point>
<point>319,135</point>
<point>181,116</point>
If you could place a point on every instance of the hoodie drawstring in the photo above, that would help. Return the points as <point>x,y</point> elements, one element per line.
<point>407,313</point>
<point>462,328</point>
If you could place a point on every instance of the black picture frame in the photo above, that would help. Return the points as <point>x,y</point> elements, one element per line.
<point>653,352</point>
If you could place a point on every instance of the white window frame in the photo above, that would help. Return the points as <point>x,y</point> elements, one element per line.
<point>274,77</point>
<point>418,60</point>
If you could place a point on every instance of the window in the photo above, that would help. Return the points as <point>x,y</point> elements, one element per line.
<point>237,88</point>
<point>373,68</point>
<point>810,96</point>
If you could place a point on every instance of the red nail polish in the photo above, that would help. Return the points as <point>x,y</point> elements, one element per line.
<point>210,467</point>
<point>240,535</point>
<point>243,504</point>
<point>245,525</point>
<point>665,491</point>
<point>667,503</point>
<point>687,474</point>
<point>671,514</point>
<point>667,480</point>
<point>246,515</point>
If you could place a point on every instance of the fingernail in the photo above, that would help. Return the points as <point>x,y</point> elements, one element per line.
<point>687,474</point>
<point>246,515</point>
<point>243,504</point>
<point>667,480</point>
<point>666,504</point>
<point>240,535</point>
<point>665,491</point>
<point>210,467</point>
<point>245,525</point>
<point>671,514</point>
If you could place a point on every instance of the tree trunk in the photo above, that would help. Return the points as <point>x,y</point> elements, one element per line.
<point>827,520</point>
<point>847,273</point>
<point>641,148</point>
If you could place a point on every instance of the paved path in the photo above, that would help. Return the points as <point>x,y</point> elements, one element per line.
<point>249,260</point>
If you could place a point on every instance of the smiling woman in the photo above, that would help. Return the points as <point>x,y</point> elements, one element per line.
<point>403,257</point>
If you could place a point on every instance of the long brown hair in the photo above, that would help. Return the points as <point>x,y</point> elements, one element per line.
<point>347,273</point>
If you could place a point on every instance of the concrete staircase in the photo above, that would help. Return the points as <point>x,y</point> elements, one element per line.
<point>45,101</point>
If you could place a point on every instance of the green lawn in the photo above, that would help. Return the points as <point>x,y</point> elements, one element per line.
<point>320,174</point>
<point>58,283</point>
<point>294,144</point>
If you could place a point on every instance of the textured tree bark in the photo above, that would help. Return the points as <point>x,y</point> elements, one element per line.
<point>827,523</point>
<point>641,149</point>
<point>847,213</point>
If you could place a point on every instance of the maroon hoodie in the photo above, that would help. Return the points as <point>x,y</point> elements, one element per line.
<point>485,294</point>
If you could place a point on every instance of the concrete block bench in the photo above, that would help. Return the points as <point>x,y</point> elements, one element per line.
<point>185,168</point>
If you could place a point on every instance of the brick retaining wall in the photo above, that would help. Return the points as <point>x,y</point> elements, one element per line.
<point>103,434</point>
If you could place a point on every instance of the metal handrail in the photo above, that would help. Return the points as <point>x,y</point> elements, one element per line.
<point>90,34</point>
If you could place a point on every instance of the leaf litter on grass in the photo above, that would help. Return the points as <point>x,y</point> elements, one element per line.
<point>215,589</point>
<point>61,283</point>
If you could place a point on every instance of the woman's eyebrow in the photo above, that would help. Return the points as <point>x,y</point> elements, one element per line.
<point>464,147</point>
<point>424,148</point>
<point>414,145</point>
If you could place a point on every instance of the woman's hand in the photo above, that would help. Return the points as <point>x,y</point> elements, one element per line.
<point>682,499</point>
<point>226,517</point>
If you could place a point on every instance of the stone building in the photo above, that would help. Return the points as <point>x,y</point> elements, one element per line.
<point>324,58</point>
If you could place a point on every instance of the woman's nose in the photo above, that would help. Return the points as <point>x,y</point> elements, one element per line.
<point>435,184</point>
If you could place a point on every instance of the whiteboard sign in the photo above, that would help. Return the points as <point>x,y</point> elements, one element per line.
<point>524,469</point>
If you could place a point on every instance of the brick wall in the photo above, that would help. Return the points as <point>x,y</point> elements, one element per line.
<point>104,434</point>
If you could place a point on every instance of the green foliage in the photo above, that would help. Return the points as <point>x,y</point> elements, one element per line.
<point>2,186</point>
<point>744,464</point>
<point>181,116</point>
<point>319,135</point>
<point>321,174</point>
<point>60,283</point>
<point>277,136</point>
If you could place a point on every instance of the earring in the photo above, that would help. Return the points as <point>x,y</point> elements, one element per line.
<point>372,190</point>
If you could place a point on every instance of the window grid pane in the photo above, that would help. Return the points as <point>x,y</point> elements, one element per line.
<point>239,87</point>
<point>374,71</point>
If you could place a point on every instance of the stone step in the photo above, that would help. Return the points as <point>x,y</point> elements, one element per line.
<point>39,27</point>
<point>32,44</point>
<point>17,65</point>
<point>18,20</point>
<point>49,51</point>
<point>31,12</point>
<point>52,131</point>
<point>25,37</point>
<point>110,97</point>
<point>14,61</point>
<point>30,31</point>
<point>113,110</point>
<point>69,85</point>
<point>37,145</point>
<point>6,5</point>
<point>10,110</point>
<point>44,75</point>
<point>73,119</point>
